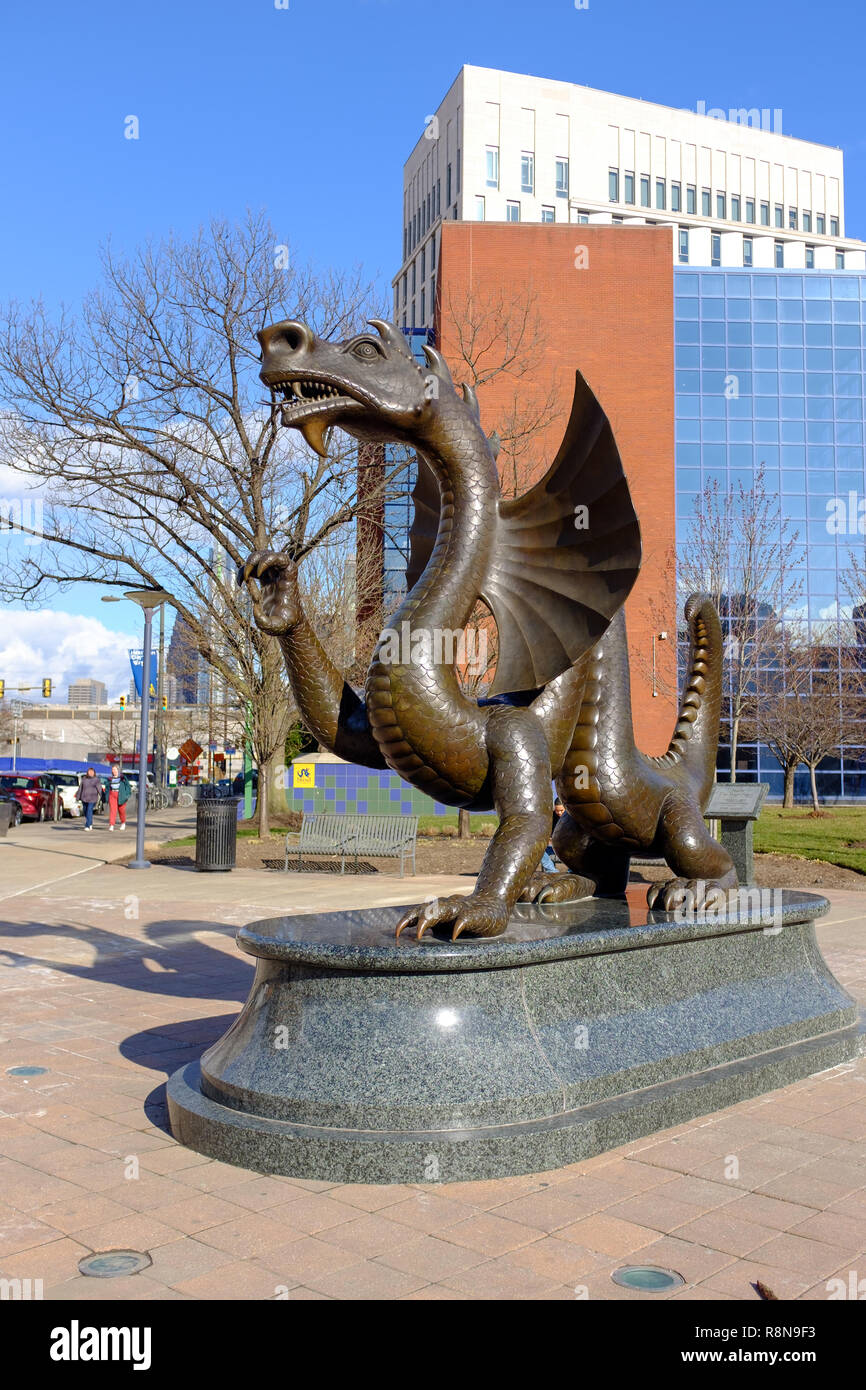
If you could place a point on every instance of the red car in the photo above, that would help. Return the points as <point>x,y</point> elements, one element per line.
<point>35,795</point>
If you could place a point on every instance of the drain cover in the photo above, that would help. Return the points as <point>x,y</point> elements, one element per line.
<point>113,1264</point>
<point>26,1071</point>
<point>647,1278</point>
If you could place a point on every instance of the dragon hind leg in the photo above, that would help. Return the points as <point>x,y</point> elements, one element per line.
<point>704,869</point>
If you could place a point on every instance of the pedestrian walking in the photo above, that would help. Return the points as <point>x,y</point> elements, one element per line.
<point>89,792</point>
<point>548,859</point>
<point>118,795</point>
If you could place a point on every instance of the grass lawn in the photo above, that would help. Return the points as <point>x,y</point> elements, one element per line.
<point>838,836</point>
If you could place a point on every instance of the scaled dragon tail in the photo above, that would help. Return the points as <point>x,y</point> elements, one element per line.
<point>696,736</point>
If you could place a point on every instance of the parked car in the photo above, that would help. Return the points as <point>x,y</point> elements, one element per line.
<point>35,795</point>
<point>67,784</point>
<point>13,801</point>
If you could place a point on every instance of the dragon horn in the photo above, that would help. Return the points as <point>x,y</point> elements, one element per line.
<point>437,364</point>
<point>391,334</point>
<point>471,400</point>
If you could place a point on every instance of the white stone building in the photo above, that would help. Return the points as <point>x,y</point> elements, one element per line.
<point>734,189</point>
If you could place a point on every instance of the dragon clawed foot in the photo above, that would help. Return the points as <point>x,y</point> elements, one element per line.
<point>479,914</point>
<point>690,894</point>
<point>557,888</point>
<point>278,608</point>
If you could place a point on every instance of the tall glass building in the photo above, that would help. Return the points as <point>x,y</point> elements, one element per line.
<point>770,372</point>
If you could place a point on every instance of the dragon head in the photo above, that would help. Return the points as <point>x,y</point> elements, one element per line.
<point>370,385</point>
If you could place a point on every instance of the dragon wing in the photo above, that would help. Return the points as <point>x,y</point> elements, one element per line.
<point>566,557</point>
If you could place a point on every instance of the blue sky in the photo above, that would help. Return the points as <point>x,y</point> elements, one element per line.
<point>310,111</point>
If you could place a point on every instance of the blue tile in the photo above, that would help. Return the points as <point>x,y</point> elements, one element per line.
<point>406,807</point>
<point>340,808</point>
<point>395,794</point>
<point>362,808</point>
<point>309,806</point>
<point>330,793</point>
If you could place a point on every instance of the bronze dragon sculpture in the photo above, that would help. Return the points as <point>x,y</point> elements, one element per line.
<point>559,706</point>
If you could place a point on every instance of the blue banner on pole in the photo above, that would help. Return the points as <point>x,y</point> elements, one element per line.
<point>136,661</point>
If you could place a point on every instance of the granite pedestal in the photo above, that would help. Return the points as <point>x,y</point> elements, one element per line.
<point>360,1058</point>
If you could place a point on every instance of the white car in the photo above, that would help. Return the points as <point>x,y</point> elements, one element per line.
<point>67,784</point>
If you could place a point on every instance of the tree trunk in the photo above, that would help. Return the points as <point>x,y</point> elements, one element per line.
<point>464,825</point>
<point>735,736</point>
<point>814,787</point>
<point>263,810</point>
<point>788,798</point>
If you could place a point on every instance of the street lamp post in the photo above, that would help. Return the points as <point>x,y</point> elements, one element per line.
<point>147,600</point>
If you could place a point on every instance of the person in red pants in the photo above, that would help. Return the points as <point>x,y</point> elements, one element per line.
<point>118,795</point>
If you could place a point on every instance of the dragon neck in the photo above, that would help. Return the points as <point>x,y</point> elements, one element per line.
<point>469,490</point>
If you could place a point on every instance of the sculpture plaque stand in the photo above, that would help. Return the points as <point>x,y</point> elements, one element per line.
<point>361,1058</point>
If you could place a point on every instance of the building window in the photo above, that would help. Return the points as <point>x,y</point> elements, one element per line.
<point>548,214</point>
<point>691,200</point>
<point>479,209</point>
<point>765,214</point>
<point>562,178</point>
<point>807,221</point>
<point>705,202</point>
<point>792,219</point>
<point>644,191</point>
<point>458,171</point>
<point>432,254</point>
<point>779,255</point>
<point>715,249</point>
<point>750,209</point>
<point>527,172</point>
<point>423,306</point>
<point>404,289</point>
<point>423,270</point>
<point>840,260</point>
<point>748,247</point>
<point>810,258</point>
<point>629,188</point>
<point>834,226</point>
<point>819,223</point>
<point>512,212</point>
<point>582,217</point>
<point>780,215</point>
<point>721,205</point>
<point>492,166</point>
<point>448,186</point>
<point>660,194</point>
<point>676,198</point>
<point>613,185</point>
<point>735,207</point>
<point>684,245</point>
<point>414,278</point>
<point>617,221</point>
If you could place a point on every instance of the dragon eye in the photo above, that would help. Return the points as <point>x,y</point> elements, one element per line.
<point>367,350</point>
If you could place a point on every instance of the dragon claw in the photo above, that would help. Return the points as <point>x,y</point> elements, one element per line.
<point>484,916</point>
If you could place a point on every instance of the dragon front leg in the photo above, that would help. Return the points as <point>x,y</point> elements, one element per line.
<point>522,794</point>
<point>705,871</point>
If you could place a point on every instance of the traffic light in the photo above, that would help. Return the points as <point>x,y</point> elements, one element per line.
<point>46,689</point>
<point>165,702</point>
<point>123,702</point>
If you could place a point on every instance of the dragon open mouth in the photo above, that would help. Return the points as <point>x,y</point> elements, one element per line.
<point>306,403</point>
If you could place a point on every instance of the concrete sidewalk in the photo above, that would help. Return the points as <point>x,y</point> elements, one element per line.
<point>34,854</point>
<point>111,979</point>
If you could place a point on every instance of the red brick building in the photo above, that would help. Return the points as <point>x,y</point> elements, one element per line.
<point>597,299</point>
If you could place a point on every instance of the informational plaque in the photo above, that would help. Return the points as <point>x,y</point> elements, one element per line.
<point>737,800</point>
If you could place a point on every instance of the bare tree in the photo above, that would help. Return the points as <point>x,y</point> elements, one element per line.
<point>741,551</point>
<point>142,420</point>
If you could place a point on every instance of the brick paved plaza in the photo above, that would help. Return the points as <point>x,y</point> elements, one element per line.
<point>110,980</point>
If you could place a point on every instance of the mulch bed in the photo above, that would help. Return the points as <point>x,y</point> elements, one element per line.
<point>442,855</point>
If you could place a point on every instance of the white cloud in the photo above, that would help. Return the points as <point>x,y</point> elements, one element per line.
<point>65,647</point>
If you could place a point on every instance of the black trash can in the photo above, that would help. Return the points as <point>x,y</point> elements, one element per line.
<point>216,834</point>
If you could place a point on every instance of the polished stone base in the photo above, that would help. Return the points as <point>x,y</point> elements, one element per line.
<point>358,1058</point>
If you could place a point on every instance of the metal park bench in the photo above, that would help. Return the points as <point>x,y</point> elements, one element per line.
<point>379,837</point>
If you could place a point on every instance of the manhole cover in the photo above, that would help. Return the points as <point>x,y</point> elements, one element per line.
<point>113,1264</point>
<point>26,1071</point>
<point>647,1278</point>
